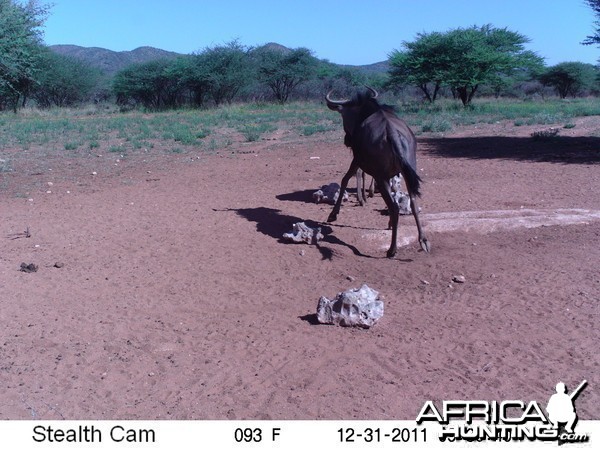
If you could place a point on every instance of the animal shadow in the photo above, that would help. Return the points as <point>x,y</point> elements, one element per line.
<point>271,222</point>
<point>304,196</point>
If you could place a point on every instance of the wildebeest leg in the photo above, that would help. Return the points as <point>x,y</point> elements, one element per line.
<point>425,245</point>
<point>393,208</point>
<point>372,188</point>
<point>336,209</point>
<point>360,187</point>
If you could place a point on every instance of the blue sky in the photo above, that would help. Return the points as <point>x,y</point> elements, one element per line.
<point>342,31</point>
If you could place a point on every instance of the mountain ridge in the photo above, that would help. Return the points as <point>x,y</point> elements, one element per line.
<point>110,61</point>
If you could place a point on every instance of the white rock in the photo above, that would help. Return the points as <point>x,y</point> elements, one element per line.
<point>354,307</point>
<point>303,233</point>
<point>329,193</point>
<point>459,278</point>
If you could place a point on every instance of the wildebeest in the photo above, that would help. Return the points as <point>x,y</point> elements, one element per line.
<point>361,187</point>
<point>382,146</point>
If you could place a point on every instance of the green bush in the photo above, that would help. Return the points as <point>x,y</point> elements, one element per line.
<point>436,125</point>
<point>253,132</point>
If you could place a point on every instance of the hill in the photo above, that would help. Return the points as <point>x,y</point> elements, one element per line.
<point>370,69</point>
<point>109,61</point>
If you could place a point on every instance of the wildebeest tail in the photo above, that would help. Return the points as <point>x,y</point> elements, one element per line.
<point>407,160</point>
<point>411,177</point>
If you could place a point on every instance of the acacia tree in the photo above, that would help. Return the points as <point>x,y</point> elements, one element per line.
<point>462,59</point>
<point>344,80</point>
<point>594,38</point>
<point>423,64</point>
<point>20,49</point>
<point>63,80</point>
<point>191,74</point>
<point>283,70</point>
<point>570,78</point>
<point>224,70</point>
<point>148,84</point>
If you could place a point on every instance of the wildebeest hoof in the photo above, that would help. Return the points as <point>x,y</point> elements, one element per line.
<point>425,245</point>
<point>391,253</point>
<point>332,217</point>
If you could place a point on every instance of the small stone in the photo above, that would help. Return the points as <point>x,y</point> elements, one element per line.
<point>94,173</point>
<point>28,268</point>
<point>350,278</point>
<point>59,265</point>
<point>459,278</point>
<point>425,282</point>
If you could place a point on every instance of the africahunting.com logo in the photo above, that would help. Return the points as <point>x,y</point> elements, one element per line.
<point>510,420</point>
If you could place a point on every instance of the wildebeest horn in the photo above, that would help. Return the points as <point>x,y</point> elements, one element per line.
<point>334,102</point>
<point>374,93</point>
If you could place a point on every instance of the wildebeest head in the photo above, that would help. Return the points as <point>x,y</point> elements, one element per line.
<point>354,111</point>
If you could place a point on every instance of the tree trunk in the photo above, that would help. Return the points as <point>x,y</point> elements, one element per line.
<point>436,89</point>
<point>426,92</point>
<point>466,95</point>
<point>462,94</point>
<point>472,93</point>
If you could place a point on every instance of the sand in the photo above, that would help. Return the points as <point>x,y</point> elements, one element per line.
<point>178,299</point>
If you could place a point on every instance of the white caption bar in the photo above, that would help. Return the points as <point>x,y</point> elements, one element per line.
<point>280,435</point>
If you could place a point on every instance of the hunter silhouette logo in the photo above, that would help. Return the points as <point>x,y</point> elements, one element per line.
<point>561,410</point>
<point>509,420</point>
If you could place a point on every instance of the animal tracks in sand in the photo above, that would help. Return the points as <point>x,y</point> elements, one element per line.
<point>484,222</point>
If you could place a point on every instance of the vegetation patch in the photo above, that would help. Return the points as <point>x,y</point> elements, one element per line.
<point>72,129</point>
<point>308,130</point>
<point>253,131</point>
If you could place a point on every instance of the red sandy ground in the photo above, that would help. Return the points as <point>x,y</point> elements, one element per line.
<point>178,298</point>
